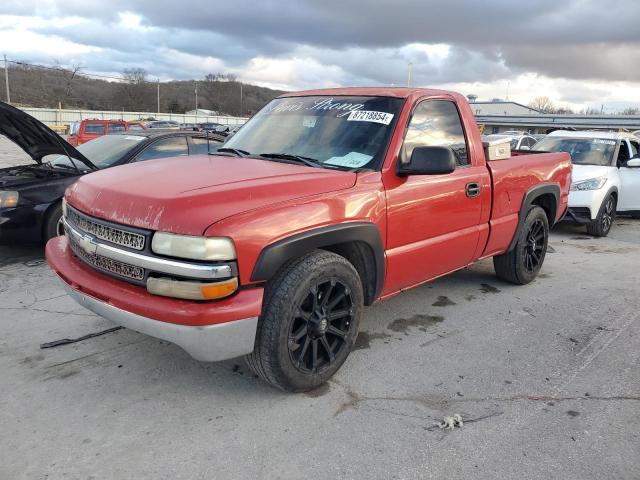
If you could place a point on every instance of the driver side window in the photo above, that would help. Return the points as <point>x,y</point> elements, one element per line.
<point>634,147</point>
<point>436,123</point>
<point>623,153</point>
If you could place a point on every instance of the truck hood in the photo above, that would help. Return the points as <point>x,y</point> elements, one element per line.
<point>186,195</point>
<point>34,137</point>
<point>585,172</point>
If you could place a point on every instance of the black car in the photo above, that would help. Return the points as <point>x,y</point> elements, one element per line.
<point>30,195</point>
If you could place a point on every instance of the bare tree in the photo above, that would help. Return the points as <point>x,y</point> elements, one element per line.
<point>543,104</point>
<point>630,111</point>
<point>135,88</point>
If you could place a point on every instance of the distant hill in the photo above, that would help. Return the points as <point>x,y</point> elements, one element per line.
<point>47,87</point>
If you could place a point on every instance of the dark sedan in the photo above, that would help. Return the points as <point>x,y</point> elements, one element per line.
<point>30,195</point>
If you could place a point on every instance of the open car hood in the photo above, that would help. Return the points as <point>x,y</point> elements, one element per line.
<point>34,137</point>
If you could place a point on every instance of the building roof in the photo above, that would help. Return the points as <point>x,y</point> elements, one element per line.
<point>630,122</point>
<point>497,102</point>
<point>593,134</point>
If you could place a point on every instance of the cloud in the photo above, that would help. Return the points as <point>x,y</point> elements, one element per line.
<point>578,45</point>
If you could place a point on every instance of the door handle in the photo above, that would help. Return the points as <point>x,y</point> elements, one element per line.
<point>472,189</point>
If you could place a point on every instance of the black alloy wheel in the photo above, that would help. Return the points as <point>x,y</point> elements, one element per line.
<point>320,327</point>
<point>533,252</point>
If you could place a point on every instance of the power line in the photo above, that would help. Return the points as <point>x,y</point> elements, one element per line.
<point>61,69</point>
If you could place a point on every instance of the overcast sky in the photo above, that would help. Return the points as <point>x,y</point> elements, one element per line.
<point>580,53</point>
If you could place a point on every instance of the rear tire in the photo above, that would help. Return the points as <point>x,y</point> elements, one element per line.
<point>601,226</point>
<point>53,223</point>
<point>309,322</point>
<point>523,263</point>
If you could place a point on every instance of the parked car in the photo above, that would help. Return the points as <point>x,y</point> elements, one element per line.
<point>325,201</point>
<point>215,128</point>
<point>85,130</point>
<point>606,175</point>
<point>538,136</point>
<point>163,124</point>
<point>233,130</point>
<point>518,142</point>
<point>30,195</point>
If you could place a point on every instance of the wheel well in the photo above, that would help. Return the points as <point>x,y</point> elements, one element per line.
<point>362,257</point>
<point>548,203</point>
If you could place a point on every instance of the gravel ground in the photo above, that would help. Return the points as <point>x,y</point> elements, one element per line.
<point>545,377</point>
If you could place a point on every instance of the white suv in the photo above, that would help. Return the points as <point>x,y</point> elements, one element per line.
<point>606,175</point>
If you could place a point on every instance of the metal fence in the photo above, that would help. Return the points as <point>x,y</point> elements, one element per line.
<point>60,117</point>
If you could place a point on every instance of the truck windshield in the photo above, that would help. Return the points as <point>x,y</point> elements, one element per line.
<point>334,131</point>
<point>583,151</point>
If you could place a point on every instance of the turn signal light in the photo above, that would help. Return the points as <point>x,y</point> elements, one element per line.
<point>187,290</point>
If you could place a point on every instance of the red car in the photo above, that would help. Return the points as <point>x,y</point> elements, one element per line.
<point>86,130</point>
<point>324,202</point>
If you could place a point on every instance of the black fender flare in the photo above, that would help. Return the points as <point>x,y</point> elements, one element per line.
<point>275,255</point>
<point>532,194</point>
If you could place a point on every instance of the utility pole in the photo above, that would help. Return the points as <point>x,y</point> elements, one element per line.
<point>240,98</point>
<point>158,94</point>
<point>196,96</point>
<point>6,78</point>
<point>409,74</point>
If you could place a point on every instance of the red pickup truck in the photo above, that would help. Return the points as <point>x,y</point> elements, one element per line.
<point>85,130</point>
<point>324,202</point>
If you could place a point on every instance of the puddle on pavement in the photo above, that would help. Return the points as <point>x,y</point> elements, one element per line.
<point>443,301</point>
<point>486,288</point>
<point>419,321</point>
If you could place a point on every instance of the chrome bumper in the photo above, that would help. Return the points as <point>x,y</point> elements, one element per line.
<point>209,343</point>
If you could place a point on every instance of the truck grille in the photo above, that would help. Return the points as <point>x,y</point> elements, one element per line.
<point>107,264</point>
<point>105,232</point>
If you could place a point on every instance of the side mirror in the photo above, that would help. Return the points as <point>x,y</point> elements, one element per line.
<point>633,163</point>
<point>429,161</point>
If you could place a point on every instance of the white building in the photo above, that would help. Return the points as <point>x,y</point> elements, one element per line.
<point>203,112</point>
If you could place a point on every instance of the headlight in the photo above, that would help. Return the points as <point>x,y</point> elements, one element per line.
<point>64,207</point>
<point>590,184</point>
<point>8,199</point>
<point>194,248</point>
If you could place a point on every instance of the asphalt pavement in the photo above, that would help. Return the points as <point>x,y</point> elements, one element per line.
<point>544,376</point>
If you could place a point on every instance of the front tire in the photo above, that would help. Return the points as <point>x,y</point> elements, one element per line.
<point>53,226</point>
<point>522,264</point>
<point>601,226</point>
<point>309,322</point>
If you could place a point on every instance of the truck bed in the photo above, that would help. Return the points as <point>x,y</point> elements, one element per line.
<point>511,179</point>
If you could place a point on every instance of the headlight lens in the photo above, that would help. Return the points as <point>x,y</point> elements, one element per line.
<point>194,248</point>
<point>590,184</point>
<point>8,199</point>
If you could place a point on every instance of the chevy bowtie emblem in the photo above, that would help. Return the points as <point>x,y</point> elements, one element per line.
<point>87,244</point>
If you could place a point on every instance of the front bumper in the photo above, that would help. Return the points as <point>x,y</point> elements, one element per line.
<point>590,200</point>
<point>208,331</point>
<point>580,215</point>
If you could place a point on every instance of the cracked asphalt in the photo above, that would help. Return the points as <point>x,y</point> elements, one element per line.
<point>545,377</point>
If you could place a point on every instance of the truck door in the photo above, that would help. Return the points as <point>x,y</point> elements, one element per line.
<point>433,221</point>
<point>629,196</point>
